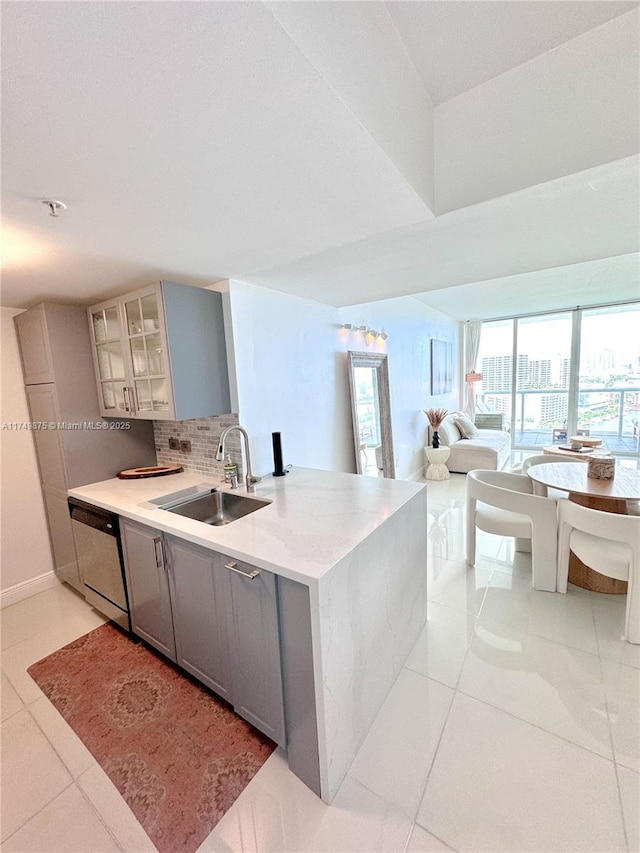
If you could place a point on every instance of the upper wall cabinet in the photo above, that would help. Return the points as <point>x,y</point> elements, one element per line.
<point>37,363</point>
<point>160,354</point>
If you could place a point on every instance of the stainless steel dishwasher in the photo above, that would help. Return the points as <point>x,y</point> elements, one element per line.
<point>97,536</point>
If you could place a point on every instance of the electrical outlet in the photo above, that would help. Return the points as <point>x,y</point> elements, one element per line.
<point>185,446</point>
<point>174,444</point>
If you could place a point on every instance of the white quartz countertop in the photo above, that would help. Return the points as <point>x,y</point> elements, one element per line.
<point>315,518</point>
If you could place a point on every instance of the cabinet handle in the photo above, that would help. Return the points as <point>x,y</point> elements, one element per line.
<point>125,396</point>
<point>165,555</point>
<point>159,553</point>
<point>233,567</point>
<point>134,400</point>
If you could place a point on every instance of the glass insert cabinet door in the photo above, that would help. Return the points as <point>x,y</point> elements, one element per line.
<point>109,358</point>
<point>130,354</point>
<point>147,350</point>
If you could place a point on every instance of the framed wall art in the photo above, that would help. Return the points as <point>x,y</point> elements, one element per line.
<point>441,367</point>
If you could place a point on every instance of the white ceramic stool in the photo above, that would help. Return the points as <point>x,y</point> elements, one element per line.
<point>436,469</point>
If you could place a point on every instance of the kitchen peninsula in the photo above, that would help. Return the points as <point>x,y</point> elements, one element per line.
<point>349,554</point>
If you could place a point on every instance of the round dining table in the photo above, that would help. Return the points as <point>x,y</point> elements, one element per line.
<point>605,495</point>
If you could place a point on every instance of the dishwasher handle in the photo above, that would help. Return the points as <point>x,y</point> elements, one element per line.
<point>93,516</point>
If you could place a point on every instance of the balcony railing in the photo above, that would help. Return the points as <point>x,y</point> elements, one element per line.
<point>611,413</point>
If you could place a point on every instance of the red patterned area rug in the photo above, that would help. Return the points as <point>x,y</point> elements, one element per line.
<point>178,755</point>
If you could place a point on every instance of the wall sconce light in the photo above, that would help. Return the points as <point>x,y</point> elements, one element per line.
<point>370,334</point>
<point>473,377</point>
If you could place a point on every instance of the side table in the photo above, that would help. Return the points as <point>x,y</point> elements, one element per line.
<point>436,469</point>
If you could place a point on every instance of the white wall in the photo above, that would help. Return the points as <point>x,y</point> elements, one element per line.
<point>410,325</point>
<point>25,550</point>
<point>290,356</point>
<point>291,379</point>
<point>565,111</point>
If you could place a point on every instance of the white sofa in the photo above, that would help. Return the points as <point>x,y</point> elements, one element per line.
<point>489,450</point>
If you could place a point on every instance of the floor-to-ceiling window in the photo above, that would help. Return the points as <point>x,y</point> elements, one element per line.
<point>553,375</point>
<point>609,375</point>
<point>495,362</point>
<point>543,347</point>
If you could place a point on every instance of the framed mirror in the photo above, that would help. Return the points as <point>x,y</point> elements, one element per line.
<point>371,414</point>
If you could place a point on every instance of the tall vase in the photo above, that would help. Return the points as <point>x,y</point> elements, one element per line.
<point>435,440</point>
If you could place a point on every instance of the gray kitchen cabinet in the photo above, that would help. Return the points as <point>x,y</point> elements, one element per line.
<point>63,406</point>
<point>255,649</point>
<point>148,586</point>
<point>37,363</point>
<point>44,409</point>
<point>215,617</point>
<point>61,536</point>
<point>201,607</point>
<point>160,353</point>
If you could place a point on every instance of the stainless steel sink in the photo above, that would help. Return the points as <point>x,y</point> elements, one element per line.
<point>218,508</point>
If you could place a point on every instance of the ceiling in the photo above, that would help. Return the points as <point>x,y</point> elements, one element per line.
<point>456,46</point>
<point>478,154</point>
<point>591,283</point>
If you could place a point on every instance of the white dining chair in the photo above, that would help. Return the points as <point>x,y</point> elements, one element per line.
<point>546,459</point>
<point>607,542</point>
<point>504,504</point>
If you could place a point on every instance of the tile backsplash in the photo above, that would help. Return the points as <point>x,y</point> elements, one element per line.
<point>203,433</point>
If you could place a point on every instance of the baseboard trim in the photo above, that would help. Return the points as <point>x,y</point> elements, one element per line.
<point>417,476</point>
<point>25,589</point>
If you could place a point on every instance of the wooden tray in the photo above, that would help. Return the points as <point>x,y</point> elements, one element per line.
<point>154,471</point>
<point>587,440</point>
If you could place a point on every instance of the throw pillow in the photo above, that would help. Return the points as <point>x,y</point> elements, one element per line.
<point>467,428</point>
<point>448,432</point>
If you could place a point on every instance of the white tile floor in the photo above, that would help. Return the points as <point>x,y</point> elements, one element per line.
<point>514,726</point>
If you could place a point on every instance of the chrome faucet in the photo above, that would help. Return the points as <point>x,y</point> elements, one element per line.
<point>249,479</point>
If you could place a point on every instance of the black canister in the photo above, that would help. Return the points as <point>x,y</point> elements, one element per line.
<point>278,470</point>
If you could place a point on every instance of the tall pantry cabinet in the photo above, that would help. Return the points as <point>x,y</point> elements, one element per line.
<point>61,392</point>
